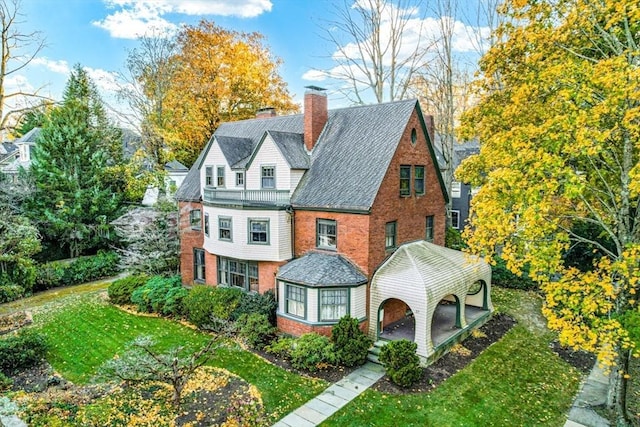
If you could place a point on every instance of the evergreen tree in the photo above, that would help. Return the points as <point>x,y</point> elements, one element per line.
<point>73,202</point>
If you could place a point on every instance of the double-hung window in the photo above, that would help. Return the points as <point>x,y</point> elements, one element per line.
<point>206,224</point>
<point>195,219</point>
<point>239,179</point>
<point>429,229</point>
<point>259,231</point>
<point>405,180</point>
<point>208,176</point>
<point>455,219</point>
<point>220,176</point>
<point>334,304</point>
<point>295,297</point>
<point>198,265</point>
<point>390,231</point>
<point>224,228</point>
<point>268,176</point>
<point>456,188</point>
<point>326,234</point>
<point>239,273</point>
<point>418,180</point>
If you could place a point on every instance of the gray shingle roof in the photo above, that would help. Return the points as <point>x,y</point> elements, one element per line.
<point>352,155</point>
<point>175,165</point>
<point>189,190</point>
<point>29,137</point>
<point>236,150</point>
<point>321,269</point>
<point>291,145</point>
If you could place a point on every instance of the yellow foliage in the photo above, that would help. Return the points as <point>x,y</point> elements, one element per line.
<point>559,126</point>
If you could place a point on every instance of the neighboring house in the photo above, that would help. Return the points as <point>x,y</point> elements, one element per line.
<point>24,148</point>
<point>461,193</point>
<point>176,173</point>
<point>319,207</point>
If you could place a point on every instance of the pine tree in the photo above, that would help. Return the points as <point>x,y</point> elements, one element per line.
<point>73,201</point>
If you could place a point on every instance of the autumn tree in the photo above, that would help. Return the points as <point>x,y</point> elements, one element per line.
<point>221,76</point>
<point>559,122</point>
<point>17,50</point>
<point>379,46</point>
<point>73,200</point>
<point>146,84</point>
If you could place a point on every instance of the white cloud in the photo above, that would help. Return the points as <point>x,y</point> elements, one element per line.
<point>315,75</point>
<point>138,17</point>
<point>106,81</point>
<point>61,66</point>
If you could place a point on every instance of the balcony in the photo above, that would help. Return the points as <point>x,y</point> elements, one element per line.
<point>259,198</point>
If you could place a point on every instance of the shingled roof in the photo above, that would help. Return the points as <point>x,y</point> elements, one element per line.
<point>236,150</point>
<point>189,190</point>
<point>352,155</point>
<point>321,269</point>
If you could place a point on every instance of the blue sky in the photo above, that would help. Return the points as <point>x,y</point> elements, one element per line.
<point>99,33</point>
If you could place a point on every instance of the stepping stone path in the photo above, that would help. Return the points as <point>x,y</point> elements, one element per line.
<point>335,397</point>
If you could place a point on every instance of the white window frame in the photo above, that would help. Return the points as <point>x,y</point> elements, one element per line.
<point>220,177</point>
<point>239,179</point>
<point>250,231</point>
<point>455,219</point>
<point>456,189</point>
<point>324,240</point>
<point>221,229</point>
<point>263,168</point>
<point>339,310</point>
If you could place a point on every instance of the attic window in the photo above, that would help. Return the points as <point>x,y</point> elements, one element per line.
<point>414,136</point>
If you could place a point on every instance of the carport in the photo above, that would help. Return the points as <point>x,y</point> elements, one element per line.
<point>440,292</point>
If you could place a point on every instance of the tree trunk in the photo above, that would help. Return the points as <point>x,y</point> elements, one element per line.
<point>617,394</point>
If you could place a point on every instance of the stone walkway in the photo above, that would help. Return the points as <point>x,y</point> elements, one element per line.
<point>335,397</point>
<point>593,392</point>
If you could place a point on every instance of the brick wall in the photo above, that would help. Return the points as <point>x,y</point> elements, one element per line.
<point>267,275</point>
<point>189,239</point>
<point>291,327</point>
<point>409,212</point>
<point>394,310</point>
<point>352,235</point>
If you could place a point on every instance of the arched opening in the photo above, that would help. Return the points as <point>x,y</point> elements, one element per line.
<point>476,301</point>
<point>446,320</point>
<point>396,321</point>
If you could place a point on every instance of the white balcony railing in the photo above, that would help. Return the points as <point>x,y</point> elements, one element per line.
<point>247,197</point>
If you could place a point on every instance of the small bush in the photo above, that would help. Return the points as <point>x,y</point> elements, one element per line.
<point>251,302</point>
<point>351,344</point>
<point>256,330</point>
<point>11,293</point>
<point>21,351</point>
<point>198,305</point>
<point>401,362</point>
<point>453,239</point>
<point>312,352</point>
<point>281,347</point>
<point>501,276</point>
<point>5,382</point>
<point>81,270</point>
<point>120,290</point>
<point>162,295</point>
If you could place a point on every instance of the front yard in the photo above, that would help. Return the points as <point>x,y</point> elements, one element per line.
<point>517,381</point>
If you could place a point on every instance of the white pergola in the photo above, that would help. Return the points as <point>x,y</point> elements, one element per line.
<point>421,275</point>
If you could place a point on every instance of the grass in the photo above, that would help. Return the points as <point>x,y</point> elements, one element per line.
<point>87,332</point>
<point>517,381</point>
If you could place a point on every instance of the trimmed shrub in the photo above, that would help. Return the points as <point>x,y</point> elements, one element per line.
<point>162,295</point>
<point>81,270</point>
<point>401,362</point>
<point>501,276</point>
<point>252,302</point>
<point>21,351</point>
<point>351,344</point>
<point>120,290</point>
<point>256,330</point>
<point>11,293</point>
<point>281,347</point>
<point>312,352</point>
<point>208,306</point>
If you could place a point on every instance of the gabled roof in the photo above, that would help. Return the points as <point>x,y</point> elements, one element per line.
<point>321,269</point>
<point>236,150</point>
<point>189,190</point>
<point>352,156</point>
<point>290,145</point>
<point>175,166</point>
<point>29,137</point>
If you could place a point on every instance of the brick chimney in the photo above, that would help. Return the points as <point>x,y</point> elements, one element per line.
<point>315,115</point>
<point>265,113</point>
<point>430,124</point>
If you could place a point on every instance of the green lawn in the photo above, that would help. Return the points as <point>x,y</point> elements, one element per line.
<point>516,382</point>
<point>87,332</point>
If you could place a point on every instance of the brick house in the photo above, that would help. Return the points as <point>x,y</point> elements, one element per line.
<point>310,206</point>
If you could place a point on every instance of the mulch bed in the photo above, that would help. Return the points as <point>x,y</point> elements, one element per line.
<point>581,360</point>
